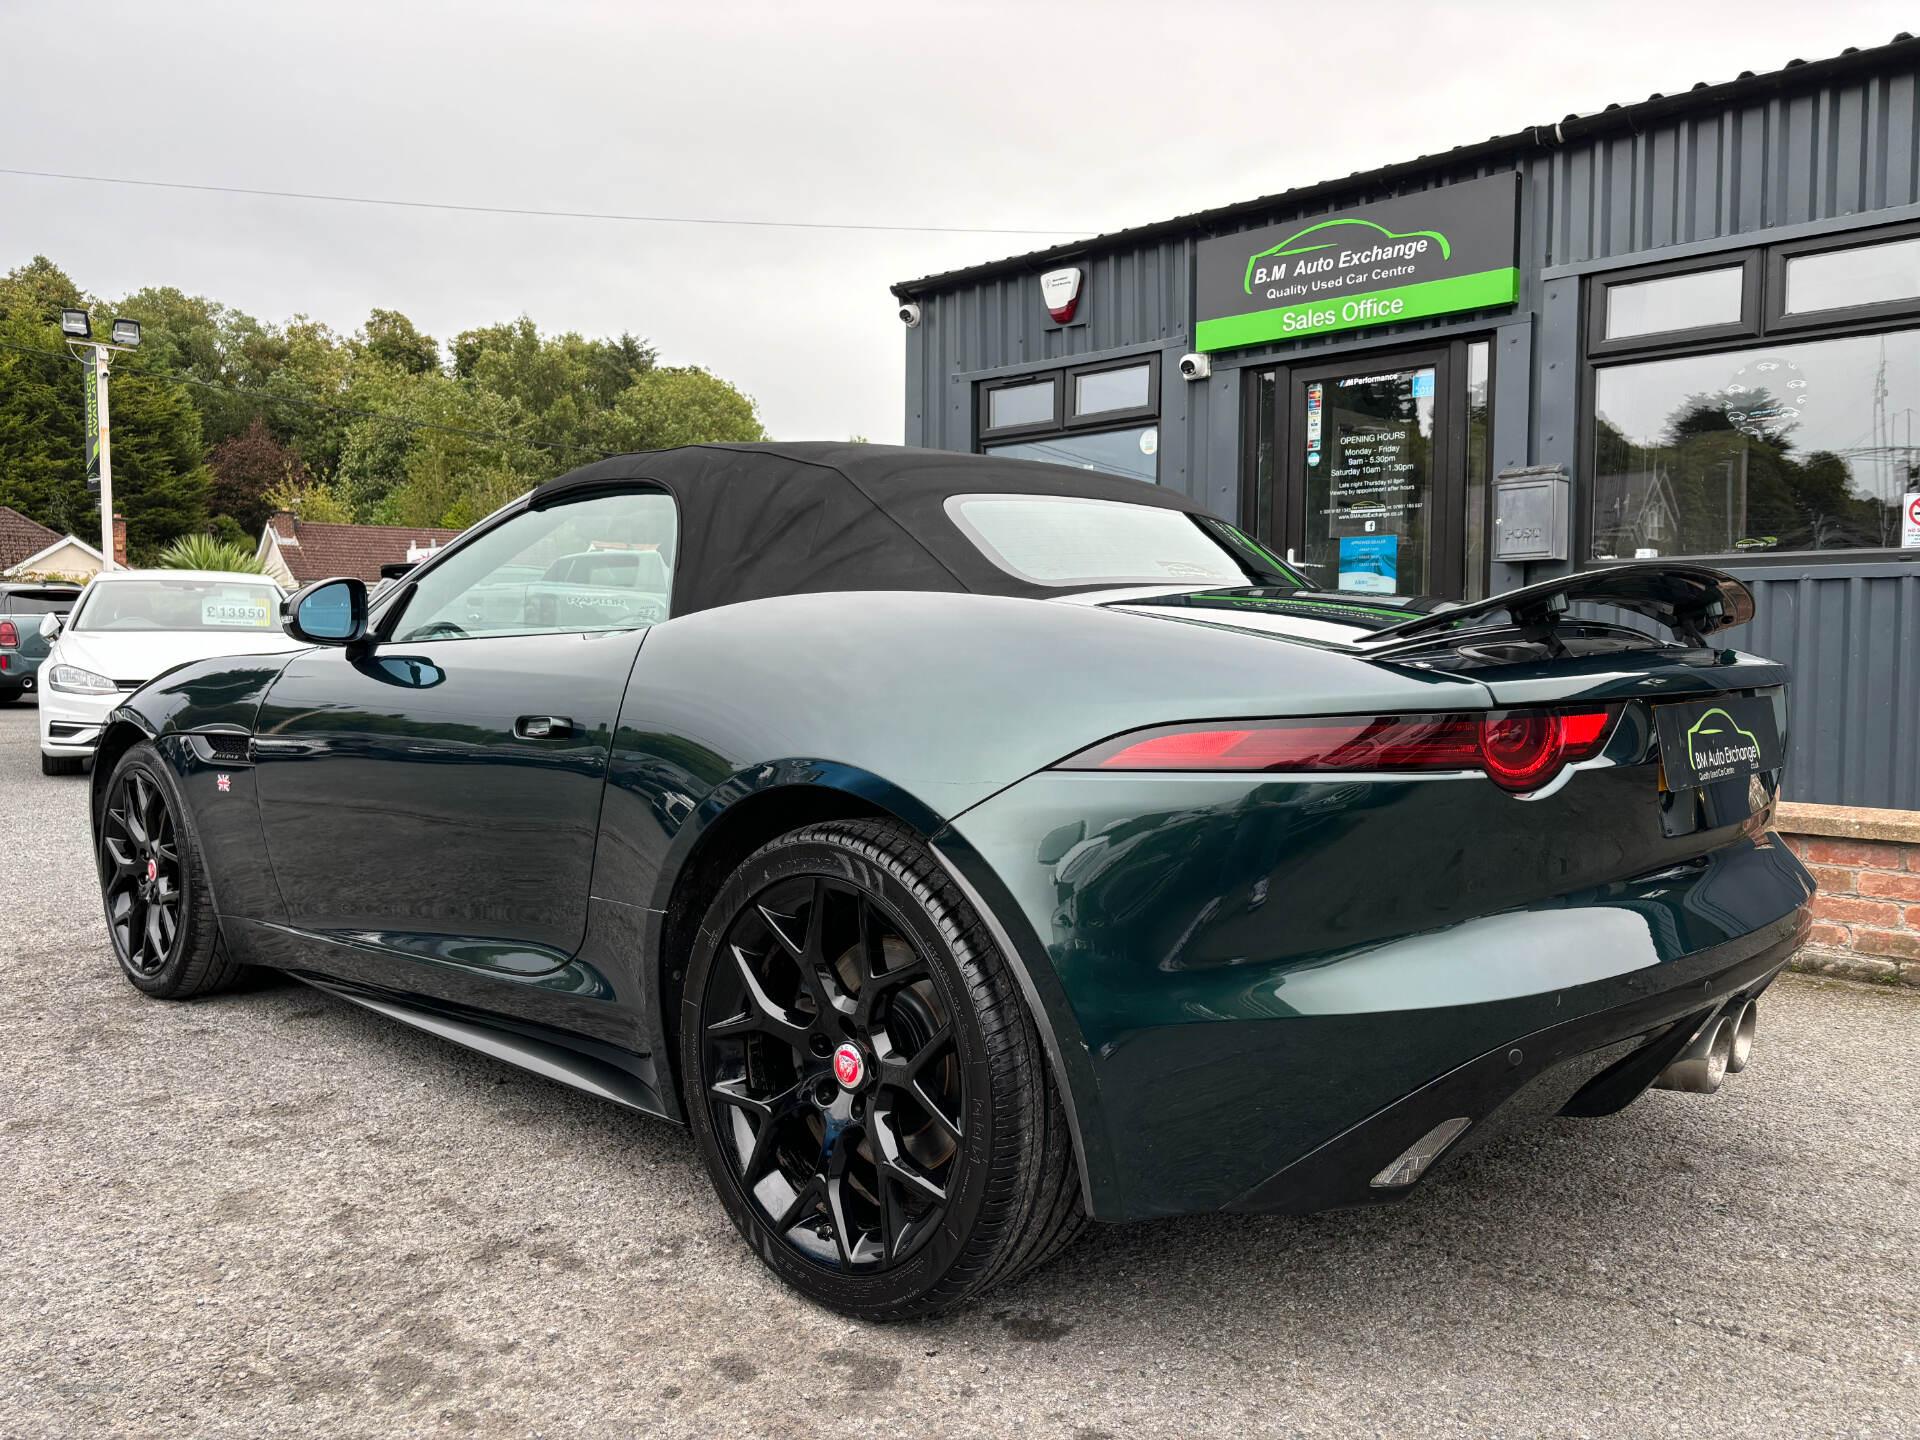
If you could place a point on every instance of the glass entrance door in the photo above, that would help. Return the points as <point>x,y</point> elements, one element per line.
<point>1370,473</point>
<point>1369,449</point>
<point>1368,453</point>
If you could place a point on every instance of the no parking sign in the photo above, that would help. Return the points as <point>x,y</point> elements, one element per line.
<point>1910,522</point>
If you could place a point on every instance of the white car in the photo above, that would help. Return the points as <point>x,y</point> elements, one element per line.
<point>130,625</point>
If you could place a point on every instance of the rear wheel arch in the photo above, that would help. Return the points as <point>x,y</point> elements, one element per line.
<point>720,849</point>
<point>755,819</point>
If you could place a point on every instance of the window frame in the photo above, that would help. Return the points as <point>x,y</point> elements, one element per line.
<point>1770,326</point>
<point>988,388</point>
<point>1778,256</point>
<point>1747,326</point>
<point>1120,419</point>
<point>1065,423</point>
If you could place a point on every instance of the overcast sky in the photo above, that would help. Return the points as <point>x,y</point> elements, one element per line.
<point>1020,116</point>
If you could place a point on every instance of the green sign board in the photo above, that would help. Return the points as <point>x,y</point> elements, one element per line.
<point>1444,250</point>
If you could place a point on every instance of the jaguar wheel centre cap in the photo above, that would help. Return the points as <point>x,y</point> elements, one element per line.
<point>849,1066</point>
<point>153,870</point>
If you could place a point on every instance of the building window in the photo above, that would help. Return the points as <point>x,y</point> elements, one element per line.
<point>1024,417</point>
<point>1024,406</point>
<point>1796,439</point>
<point>1862,275</point>
<point>1698,301</point>
<point>1807,446</point>
<point>1676,303</point>
<point>1098,394</point>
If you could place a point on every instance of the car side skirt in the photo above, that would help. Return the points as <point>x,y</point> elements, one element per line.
<point>614,1075</point>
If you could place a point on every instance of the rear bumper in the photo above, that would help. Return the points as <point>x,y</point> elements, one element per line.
<point>19,675</point>
<point>1240,975</point>
<point>1583,1063</point>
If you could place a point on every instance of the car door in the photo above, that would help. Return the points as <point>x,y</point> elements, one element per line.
<point>435,795</point>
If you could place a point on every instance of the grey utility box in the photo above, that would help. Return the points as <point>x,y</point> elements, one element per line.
<point>1530,514</point>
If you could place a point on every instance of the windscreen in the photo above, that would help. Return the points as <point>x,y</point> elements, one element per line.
<point>1069,540</point>
<point>183,604</point>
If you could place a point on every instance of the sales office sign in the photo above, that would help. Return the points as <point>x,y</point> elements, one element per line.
<point>1444,250</point>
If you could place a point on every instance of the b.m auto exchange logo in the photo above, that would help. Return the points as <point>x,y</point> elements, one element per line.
<point>1713,749</point>
<point>1390,245</point>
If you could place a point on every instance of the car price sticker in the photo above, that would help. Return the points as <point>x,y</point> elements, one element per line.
<point>245,612</point>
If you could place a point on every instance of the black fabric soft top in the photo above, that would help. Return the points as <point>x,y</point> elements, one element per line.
<point>791,519</point>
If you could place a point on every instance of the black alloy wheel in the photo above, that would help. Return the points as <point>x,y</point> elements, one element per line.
<point>831,1074</point>
<point>864,1081</point>
<point>146,888</point>
<point>153,881</point>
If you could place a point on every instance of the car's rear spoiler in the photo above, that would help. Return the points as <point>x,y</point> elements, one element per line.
<point>1691,600</point>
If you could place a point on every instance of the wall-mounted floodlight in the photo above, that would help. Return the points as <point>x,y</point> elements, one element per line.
<point>127,333</point>
<point>77,324</point>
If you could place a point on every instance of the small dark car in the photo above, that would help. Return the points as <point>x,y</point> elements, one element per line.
<point>22,646</point>
<point>975,847</point>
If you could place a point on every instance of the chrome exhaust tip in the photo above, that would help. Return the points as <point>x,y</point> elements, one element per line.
<point>1744,1021</point>
<point>1703,1064</point>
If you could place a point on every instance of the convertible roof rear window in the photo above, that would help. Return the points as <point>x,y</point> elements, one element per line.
<point>1070,540</point>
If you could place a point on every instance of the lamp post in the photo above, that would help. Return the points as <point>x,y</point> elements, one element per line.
<point>77,326</point>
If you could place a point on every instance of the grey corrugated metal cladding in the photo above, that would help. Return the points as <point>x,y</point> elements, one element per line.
<point>1771,155</point>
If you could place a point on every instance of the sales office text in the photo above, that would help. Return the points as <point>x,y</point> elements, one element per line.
<point>1361,307</point>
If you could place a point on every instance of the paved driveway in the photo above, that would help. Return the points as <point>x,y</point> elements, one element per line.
<point>274,1213</point>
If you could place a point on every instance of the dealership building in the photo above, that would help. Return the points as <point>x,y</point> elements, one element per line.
<point>1684,327</point>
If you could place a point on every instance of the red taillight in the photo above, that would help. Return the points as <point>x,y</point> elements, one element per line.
<point>8,635</point>
<point>1518,750</point>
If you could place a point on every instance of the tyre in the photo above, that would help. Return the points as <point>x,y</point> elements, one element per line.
<point>153,880</point>
<point>62,764</point>
<point>864,1081</point>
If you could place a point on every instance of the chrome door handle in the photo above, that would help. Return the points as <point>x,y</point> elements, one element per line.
<point>543,727</point>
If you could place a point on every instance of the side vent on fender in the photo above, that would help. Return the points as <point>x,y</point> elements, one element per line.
<point>224,746</point>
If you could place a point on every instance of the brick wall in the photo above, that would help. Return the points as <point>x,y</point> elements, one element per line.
<point>1866,916</point>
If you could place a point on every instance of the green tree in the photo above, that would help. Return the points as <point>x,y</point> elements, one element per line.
<point>391,339</point>
<point>225,350</point>
<point>159,471</point>
<point>160,475</point>
<point>42,422</point>
<point>219,417</point>
<point>681,406</point>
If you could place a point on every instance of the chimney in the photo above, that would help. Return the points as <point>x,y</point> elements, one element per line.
<point>120,542</point>
<point>284,524</point>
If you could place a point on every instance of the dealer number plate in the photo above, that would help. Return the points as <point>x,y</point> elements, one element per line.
<point>1707,741</point>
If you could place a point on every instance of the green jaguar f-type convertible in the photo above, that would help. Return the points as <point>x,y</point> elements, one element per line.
<point>967,849</point>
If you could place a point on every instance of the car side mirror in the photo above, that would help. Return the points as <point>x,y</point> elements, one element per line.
<point>327,612</point>
<point>49,625</point>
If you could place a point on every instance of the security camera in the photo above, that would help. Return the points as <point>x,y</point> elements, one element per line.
<point>1195,367</point>
<point>910,314</point>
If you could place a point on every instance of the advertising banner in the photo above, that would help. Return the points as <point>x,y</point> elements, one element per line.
<point>1452,248</point>
<point>90,382</point>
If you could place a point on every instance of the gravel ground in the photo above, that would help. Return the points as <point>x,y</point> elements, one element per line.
<point>274,1214</point>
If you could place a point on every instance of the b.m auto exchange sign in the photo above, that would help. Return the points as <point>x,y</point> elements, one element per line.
<point>1444,250</point>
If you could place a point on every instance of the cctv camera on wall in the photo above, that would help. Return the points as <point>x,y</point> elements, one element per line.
<point>910,314</point>
<point>1195,367</point>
